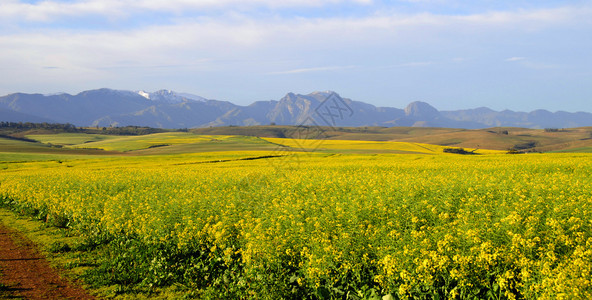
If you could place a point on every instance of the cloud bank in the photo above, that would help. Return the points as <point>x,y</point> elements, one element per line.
<point>244,50</point>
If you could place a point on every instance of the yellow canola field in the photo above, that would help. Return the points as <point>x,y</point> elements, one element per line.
<point>127,143</point>
<point>364,146</point>
<point>409,226</point>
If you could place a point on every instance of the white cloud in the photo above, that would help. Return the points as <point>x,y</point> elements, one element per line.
<point>219,34</point>
<point>524,62</point>
<point>308,70</point>
<point>50,10</point>
<point>46,11</point>
<point>241,37</point>
<point>243,45</point>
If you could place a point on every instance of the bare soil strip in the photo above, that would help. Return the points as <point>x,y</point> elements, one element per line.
<point>25,273</point>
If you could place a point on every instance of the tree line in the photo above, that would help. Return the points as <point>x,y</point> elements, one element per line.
<point>29,125</point>
<point>58,127</point>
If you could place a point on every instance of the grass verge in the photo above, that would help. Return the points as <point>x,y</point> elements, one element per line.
<point>68,253</point>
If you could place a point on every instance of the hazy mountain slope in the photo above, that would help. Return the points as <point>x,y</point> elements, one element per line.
<point>81,109</point>
<point>186,114</point>
<point>536,119</point>
<point>15,116</point>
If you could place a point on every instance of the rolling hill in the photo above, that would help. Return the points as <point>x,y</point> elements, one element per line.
<point>301,138</point>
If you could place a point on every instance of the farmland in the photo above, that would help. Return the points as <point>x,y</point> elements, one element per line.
<point>211,216</point>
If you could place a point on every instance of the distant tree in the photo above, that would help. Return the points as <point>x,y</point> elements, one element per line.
<point>514,151</point>
<point>458,151</point>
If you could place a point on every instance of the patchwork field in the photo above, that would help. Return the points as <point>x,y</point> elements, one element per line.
<point>181,142</point>
<point>531,140</point>
<point>174,215</point>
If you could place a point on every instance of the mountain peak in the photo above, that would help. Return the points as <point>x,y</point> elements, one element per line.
<point>322,93</point>
<point>164,92</point>
<point>144,94</point>
<point>169,97</point>
<point>421,110</point>
<point>290,97</point>
<point>105,92</point>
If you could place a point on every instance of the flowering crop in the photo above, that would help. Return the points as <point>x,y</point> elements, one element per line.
<point>366,146</point>
<point>344,225</point>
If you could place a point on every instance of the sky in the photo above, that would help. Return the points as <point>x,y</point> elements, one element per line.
<point>518,55</point>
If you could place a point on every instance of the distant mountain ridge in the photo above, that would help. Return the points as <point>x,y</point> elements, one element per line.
<point>169,109</point>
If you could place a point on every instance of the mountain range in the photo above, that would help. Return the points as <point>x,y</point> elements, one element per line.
<point>168,109</point>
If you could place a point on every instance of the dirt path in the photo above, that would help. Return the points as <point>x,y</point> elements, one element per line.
<point>24,272</point>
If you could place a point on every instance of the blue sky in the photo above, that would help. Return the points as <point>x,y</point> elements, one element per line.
<point>518,55</point>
